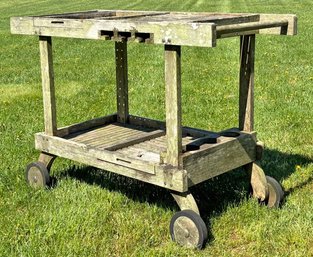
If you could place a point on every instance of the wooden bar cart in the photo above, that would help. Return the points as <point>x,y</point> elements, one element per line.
<point>165,154</point>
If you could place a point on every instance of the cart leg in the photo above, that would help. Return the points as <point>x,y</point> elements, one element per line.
<point>258,181</point>
<point>173,104</point>
<point>47,159</point>
<point>246,83</point>
<point>121,81</point>
<point>246,111</point>
<point>186,201</point>
<point>45,45</point>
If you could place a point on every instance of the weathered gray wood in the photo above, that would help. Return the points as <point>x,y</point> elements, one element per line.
<point>219,158</point>
<point>246,83</point>
<point>291,29</point>
<point>258,181</point>
<point>121,81</point>
<point>137,152</point>
<point>173,104</point>
<point>115,162</point>
<point>45,46</point>
<point>89,124</point>
<point>185,201</point>
<point>160,32</point>
<point>156,124</point>
<point>93,134</point>
<point>47,159</point>
<point>146,122</point>
<point>135,140</point>
<point>237,29</point>
<point>176,28</point>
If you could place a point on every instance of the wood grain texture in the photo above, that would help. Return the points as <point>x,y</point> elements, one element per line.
<point>246,83</point>
<point>48,91</point>
<point>173,104</point>
<point>89,124</point>
<point>291,29</point>
<point>135,140</point>
<point>249,28</point>
<point>46,159</point>
<point>219,158</point>
<point>154,173</point>
<point>186,201</point>
<point>121,81</point>
<point>258,181</point>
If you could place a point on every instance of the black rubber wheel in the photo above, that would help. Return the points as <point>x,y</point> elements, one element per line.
<point>37,175</point>
<point>275,193</point>
<point>188,229</point>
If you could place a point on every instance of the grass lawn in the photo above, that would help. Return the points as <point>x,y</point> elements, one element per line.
<point>95,213</point>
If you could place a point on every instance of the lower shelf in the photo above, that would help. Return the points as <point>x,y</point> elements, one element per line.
<point>136,151</point>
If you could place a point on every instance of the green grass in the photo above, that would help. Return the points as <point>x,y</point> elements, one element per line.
<point>96,213</point>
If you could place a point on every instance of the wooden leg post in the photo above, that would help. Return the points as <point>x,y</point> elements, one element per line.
<point>185,201</point>
<point>246,110</point>
<point>46,159</point>
<point>173,104</point>
<point>121,81</point>
<point>45,45</point>
<point>246,83</point>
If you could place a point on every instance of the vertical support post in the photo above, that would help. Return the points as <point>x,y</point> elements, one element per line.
<point>246,83</point>
<point>121,81</point>
<point>246,110</point>
<point>45,46</point>
<point>173,104</point>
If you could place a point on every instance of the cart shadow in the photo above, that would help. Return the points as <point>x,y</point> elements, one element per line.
<point>213,196</point>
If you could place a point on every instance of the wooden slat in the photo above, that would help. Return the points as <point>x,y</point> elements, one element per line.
<point>113,140</point>
<point>140,154</point>
<point>173,104</point>
<point>135,140</point>
<point>108,130</point>
<point>89,124</point>
<point>151,146</point>
<point>146,122</point>
<point>45,45</point>
<point>246,83</point>
<point>90,135</point>
<point>227,19</point>
<point>131,15</point>
<point>103,138</point>
<point>121,81</point>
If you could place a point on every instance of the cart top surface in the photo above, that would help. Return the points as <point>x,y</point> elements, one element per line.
<point>177,28</point>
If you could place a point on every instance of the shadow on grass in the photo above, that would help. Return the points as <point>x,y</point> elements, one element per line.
<point>212,196</point>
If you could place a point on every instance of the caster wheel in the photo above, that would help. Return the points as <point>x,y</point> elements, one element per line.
<point>188,229</point>
<point>275,193</point>
<point>37,175</point>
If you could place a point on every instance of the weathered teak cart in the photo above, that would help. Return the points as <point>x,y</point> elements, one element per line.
<point>162,153</point>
